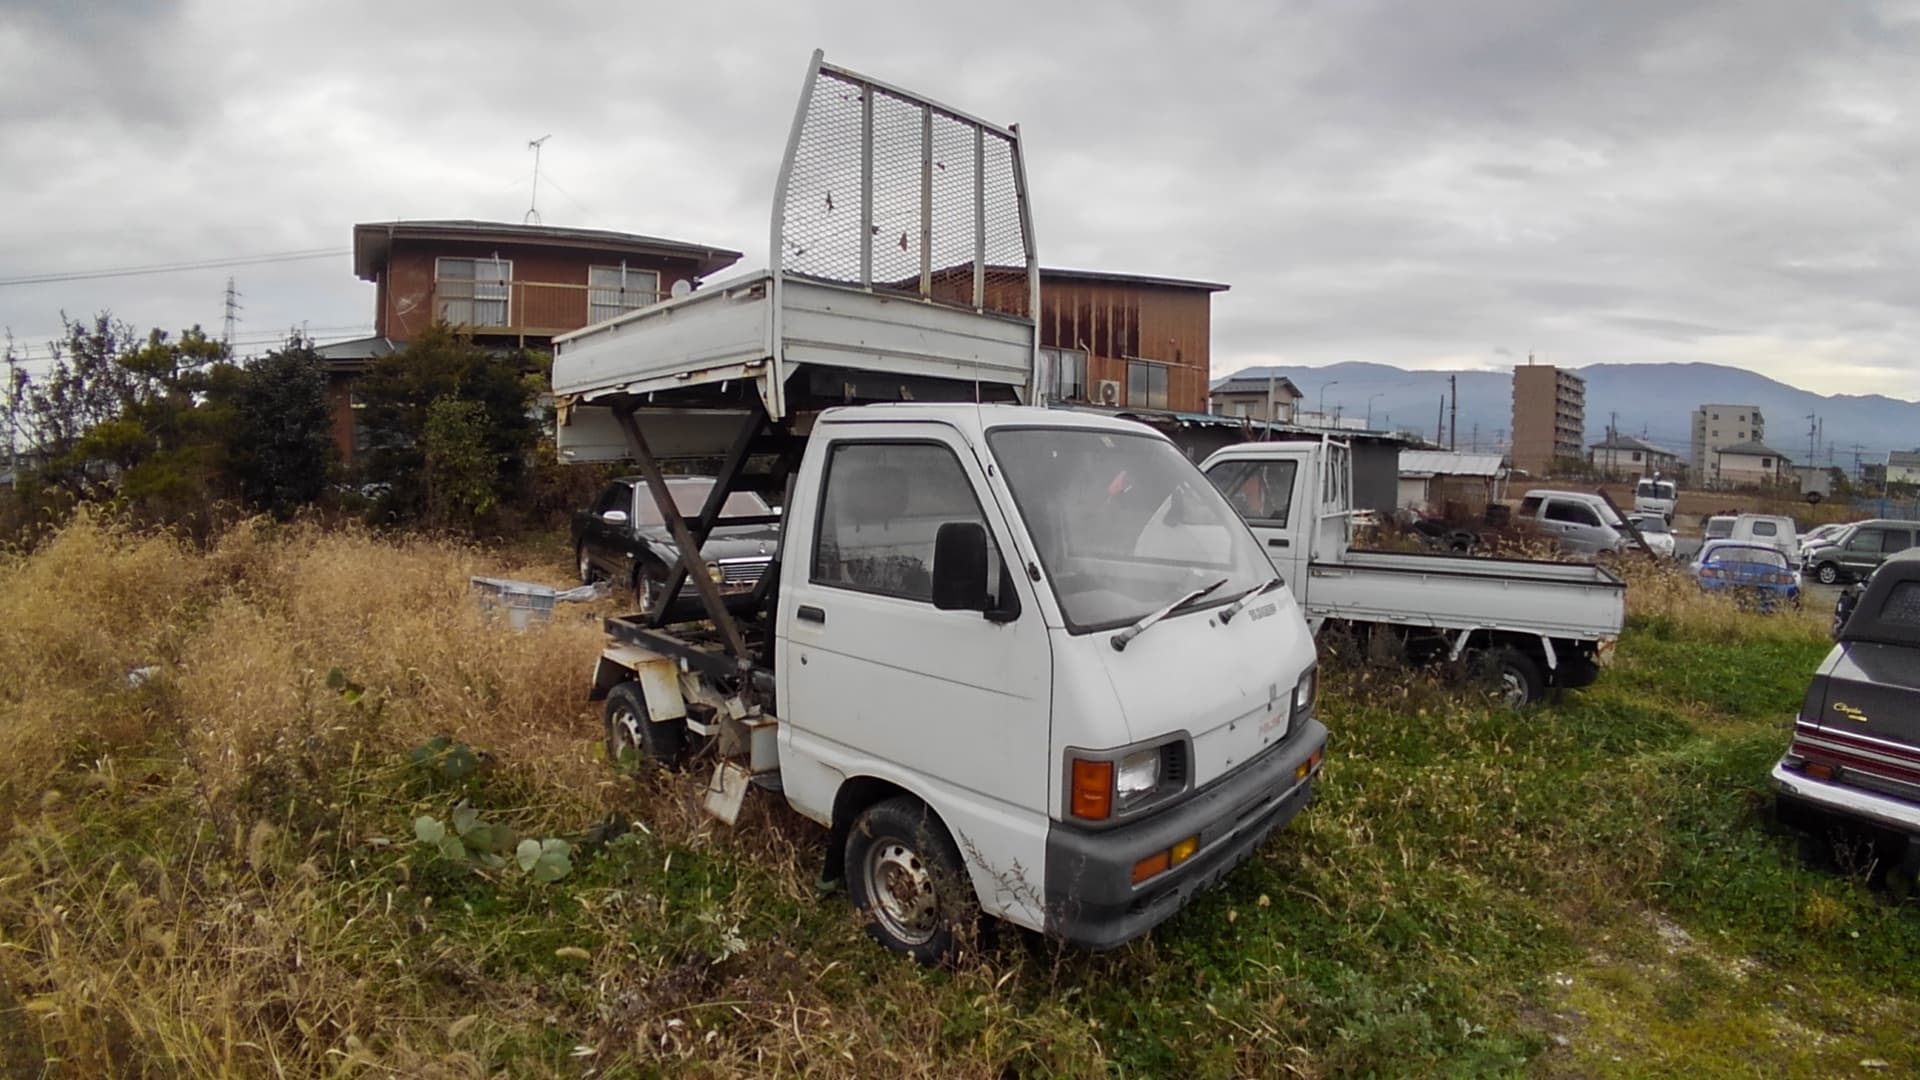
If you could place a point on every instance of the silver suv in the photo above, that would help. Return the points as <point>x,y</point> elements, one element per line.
<point>1861,549</point>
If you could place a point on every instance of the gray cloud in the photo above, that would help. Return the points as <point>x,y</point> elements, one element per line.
<point>1399,182</point>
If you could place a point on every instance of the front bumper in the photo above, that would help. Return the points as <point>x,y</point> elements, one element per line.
<point>1091,900</point>
<point>1883,810</point>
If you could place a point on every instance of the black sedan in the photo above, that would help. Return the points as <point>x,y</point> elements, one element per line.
<point>624,539</point>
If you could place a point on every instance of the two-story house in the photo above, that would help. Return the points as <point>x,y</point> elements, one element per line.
<point>508,285</point>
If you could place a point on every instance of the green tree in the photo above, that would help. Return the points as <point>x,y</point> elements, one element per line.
<point>460,471</point>
<point>280,449</point>
<point>400,394</point>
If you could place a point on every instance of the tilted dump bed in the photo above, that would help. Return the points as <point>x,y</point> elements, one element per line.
<point>901,267</point>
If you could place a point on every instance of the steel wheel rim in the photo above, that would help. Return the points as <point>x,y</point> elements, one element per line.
<point>586,568</point>
<point>625,729</point>
<point>1513,688</point>
<point>902,892</point>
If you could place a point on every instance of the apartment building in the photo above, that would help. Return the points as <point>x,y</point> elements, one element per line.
<point>1549,416</point>
<point>1718,426</point>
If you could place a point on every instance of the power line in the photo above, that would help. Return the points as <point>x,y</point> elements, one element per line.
<point>178,267</point>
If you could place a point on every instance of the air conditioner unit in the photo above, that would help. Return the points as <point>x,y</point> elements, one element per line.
<point>1109,391</point>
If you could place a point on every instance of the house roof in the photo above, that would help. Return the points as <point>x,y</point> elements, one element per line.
<point>1449,463</point>
<point>1129,279</point>
<point>1904,459</point>
<point>1253,380</point>
<point>356,354</point>
<point>1632,442</point>
<point>373,242</point>
<point>1753,449</point>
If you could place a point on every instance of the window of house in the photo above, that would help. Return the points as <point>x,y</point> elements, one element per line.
<point>1716,416</point>
<point>1766,463</point>
<point>1240,408</point>
<point>1716,433</point>
<point>880,513</point>
<point>1146,385</point>
<point>615,290</point>
<point>1261,491</point>
<point>1069,373</point>
<point>1636,455</point>
<point>473,292</point>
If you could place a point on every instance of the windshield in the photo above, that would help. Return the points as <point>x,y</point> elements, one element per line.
<point>1651,524</point>
<point>690,496</point>
<point>1123,524</point>
<point>1719,528</point>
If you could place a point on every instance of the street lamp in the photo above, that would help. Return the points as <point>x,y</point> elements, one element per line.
<point>1370,398</point>
<point>1323,399</point>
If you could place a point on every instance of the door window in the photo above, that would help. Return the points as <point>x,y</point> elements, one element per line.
<point>617,497</point>
<point>880,511</point>
<point>1895,540</point>
<point>1571,513</point>
<point>1866,540</point>
<point>1262,491</point>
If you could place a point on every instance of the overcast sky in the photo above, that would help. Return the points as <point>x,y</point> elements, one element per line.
<point>1420,183</point>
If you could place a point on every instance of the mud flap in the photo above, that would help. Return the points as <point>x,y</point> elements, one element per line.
<point>727,791</point>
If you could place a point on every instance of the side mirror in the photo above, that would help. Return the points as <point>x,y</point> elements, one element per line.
<point>960,567</point>
<point>615,518</point>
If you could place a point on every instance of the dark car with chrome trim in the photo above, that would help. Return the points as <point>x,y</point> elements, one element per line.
<point>624,539</point>
<point>1855,754</point>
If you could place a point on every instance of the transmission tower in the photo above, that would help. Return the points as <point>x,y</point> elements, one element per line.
<point>233,316</point>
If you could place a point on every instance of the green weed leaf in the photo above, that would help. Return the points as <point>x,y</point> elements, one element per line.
<point>429,830</point>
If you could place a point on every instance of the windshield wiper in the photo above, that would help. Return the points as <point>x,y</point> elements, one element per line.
<point>1249,597</point>
<point>1120,639</point>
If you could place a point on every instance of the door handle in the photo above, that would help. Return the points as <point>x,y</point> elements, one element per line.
<point>1277,541</point>
<point>809,613</point>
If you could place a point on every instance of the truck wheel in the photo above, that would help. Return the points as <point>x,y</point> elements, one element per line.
<point>905,876</point>
<point>648,588</point>
<point>1513,677</point>
<point>633,738</point>
<point>1827,574</point>
<point>584,562</point>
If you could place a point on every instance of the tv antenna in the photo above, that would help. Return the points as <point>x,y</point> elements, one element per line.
<point>533,200</point>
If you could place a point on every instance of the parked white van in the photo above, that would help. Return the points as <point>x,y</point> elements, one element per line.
<point>1773,530</point>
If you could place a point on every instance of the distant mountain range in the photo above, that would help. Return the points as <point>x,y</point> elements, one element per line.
<point>1652,400</point>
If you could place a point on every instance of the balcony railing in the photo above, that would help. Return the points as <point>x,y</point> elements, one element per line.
<point>531,308</point>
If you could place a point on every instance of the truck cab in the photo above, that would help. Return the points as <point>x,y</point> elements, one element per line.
<point>1053,632</point>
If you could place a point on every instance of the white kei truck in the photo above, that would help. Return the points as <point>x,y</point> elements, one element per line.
<point>1020,662</point>
<point>1528,626</point>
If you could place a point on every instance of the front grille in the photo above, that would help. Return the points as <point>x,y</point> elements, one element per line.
<point>742,572</point>
<point>1173,767</point>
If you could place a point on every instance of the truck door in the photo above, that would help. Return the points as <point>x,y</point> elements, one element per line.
<point>1265,491</point>
<point>874,680</point>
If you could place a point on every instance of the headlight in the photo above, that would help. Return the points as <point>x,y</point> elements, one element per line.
<point>1139,773</point>
<point>1305,689</point>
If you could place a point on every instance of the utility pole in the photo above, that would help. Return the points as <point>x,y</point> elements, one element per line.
<point>233,316</point>
<point>1856,463</point>
<point>1813,437</point>
<point>13,420</point>
<point>1476,437</point>
<point>1440,423</point>
<point>1453,422</point>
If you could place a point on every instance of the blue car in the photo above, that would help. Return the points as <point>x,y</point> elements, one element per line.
<point>1755,573</point>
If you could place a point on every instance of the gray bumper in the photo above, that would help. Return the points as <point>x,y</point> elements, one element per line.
<point>1091,899</point>
<point>1882,810</point>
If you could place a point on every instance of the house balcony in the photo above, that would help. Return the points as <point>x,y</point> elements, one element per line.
<point>531,308</point>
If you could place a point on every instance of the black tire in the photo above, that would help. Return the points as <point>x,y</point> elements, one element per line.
<point>1827,573</point>
<point>649,584</point>
<point>1510,675</point>
<point>907,880</point>
<point>634,740</point>
<point>583,565</point>
<point>1576,671</point>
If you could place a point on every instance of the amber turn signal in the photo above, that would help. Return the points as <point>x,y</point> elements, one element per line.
<point>1155,863</point>
<point>1092,797</point>
<point>1184,850</point>
<point>1818,770</point>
